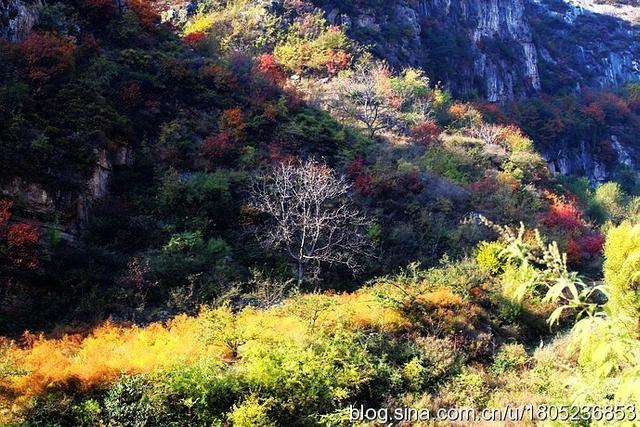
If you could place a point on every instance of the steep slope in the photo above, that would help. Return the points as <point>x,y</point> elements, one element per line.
<point>497,50</point>
<point>500,49</point>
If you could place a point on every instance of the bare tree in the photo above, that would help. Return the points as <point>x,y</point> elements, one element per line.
<point>311,217</point>
<point>361,97</point>
<point>490,134</point>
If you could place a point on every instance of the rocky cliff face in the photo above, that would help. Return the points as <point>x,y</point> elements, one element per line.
<point>583,43</point>
<point>502,49</point>
<point>70,210</point>
<point>583,160</point>
<point>482,48</point>
<point>17,18</point>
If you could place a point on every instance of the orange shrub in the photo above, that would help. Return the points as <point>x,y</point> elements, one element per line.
<point>232,123</point>
<point>100,358</point>
<point>46,56</point>
<point>337,61</point>
<point>144,11</point>
<point>457,110</point>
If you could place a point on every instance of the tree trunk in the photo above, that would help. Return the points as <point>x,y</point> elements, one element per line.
<point>301,271</point>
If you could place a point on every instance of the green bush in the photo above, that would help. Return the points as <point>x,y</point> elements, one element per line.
<point>608,203</point>
<point>306,378</point>
<point>128,402</point>
<point>449,164</point>
<point>87,413</point>
<point>468,389</point>
<point>509,357</point>
<point>198,394</point>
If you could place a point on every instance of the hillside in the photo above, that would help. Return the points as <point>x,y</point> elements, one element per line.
<point>259,213</point>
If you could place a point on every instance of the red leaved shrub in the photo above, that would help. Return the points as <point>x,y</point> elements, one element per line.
<point>426,133</point>
<point>362,180</point>
<point>269,67</point>
<point>194,39</point>
<point>46,56</point>
<point>574,253</point>
<point>278,152</point>
<point>220,146</point>
<point>564,214</point>
<point>592,244</point>
<point>487,184</point>
<point>22,245</point>
<point>144,11</point>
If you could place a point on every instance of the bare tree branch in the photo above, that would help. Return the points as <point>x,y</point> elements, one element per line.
<point>311,217</point>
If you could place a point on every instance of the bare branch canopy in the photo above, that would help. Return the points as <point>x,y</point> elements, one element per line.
<point>311,217</point>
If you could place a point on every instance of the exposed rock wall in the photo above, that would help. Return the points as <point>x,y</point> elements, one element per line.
<point>502,49</point>
<point>71,212</point>
<point>17,18</point>
<point>585,160</point>
<point>458,42</point>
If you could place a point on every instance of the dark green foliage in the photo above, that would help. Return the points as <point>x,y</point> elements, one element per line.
<point>318,131</point>
<point>127,403</point>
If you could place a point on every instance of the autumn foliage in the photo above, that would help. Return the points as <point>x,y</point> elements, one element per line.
<point>564,214</point>
<point>426,132</point>
<point>232,122</point>
<point>46,56</point>
<point>104,355</point>
<point>269,67</point>
<point>194,39</point>
<point>22,245</point>
<point>20,240</point>
<point>144,11</point>
<point>362,180</point>
<point>82,363</point>
<point>337,60</point>
<point>226,143</point>
<point>219,146</point>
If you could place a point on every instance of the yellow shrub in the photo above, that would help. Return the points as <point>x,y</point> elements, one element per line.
<point>488,256</point>
<point>622,268</point>
<point>251,413</point>
<point>104,355</point>
<point>200,23</point>
<point>82,363</point>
